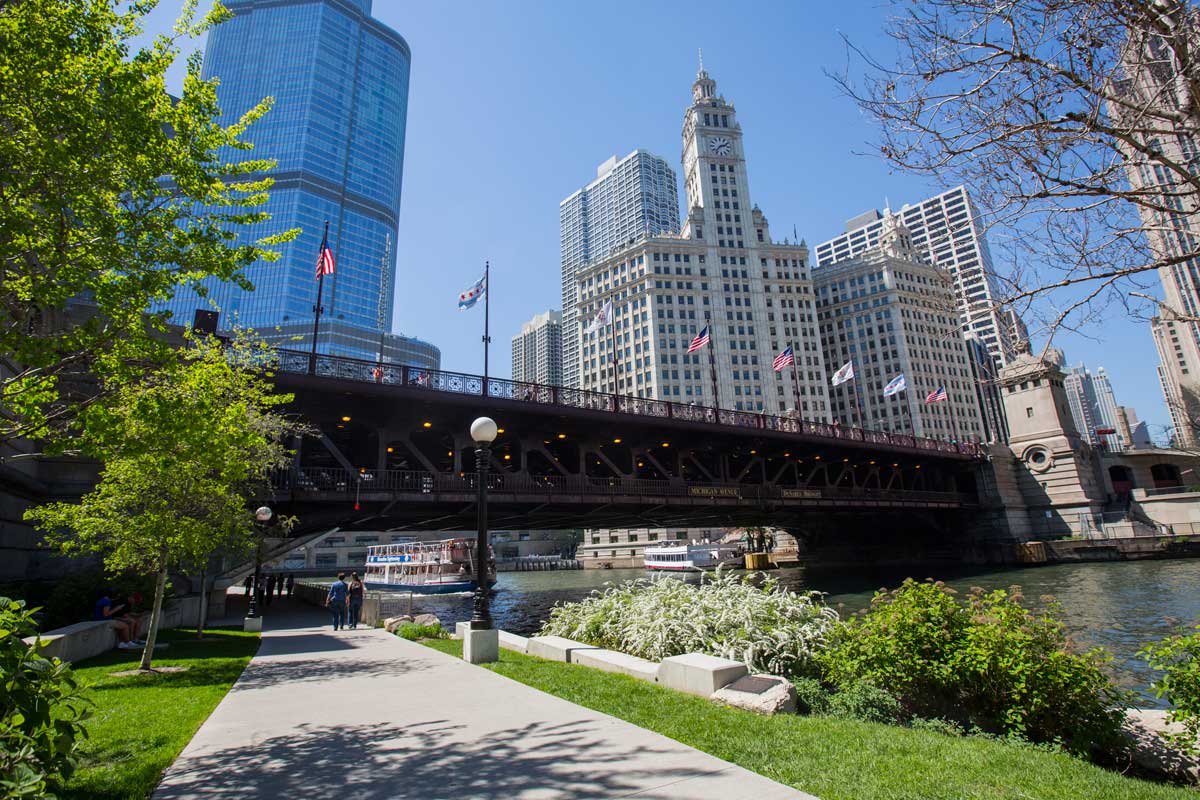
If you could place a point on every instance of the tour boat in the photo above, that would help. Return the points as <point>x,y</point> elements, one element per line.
<point>684,557</point>
<point>443,567</point>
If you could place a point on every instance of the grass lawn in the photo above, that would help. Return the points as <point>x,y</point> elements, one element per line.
<point>140,724</point>
<point>830,758</point>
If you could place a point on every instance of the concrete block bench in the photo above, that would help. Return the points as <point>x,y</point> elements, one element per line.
<point>510,641</point>
<point>556,648</point>
<point>79,641</point>
<point>699,674</point>
<point>613,661</point>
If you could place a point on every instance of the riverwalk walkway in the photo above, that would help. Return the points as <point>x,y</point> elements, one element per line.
<point>367,715</point>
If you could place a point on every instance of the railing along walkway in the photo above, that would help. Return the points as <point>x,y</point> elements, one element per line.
<point>353,369</point>
<point>329,480</point>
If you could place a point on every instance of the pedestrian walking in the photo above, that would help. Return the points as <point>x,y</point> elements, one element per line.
<point>279,586</point>
<point>335,601</point>
<point>248,583</point>
<point>270,589</point>
<point>355,599</point>
<point>291,584</point>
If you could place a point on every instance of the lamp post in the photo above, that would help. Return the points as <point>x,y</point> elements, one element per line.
<point>262,516</point>
<point>483,431</point>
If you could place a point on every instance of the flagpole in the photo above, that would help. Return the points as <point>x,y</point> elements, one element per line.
<point>487,305</point>
<point>953,422</point>
<point>612,347</point>
<point>912,428</point>
<point>712,362</point>
<point>312,360</point>
<point>796,379</point>
<point>853,391</point>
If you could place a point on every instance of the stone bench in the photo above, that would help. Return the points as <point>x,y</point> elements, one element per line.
<point>510,641</point>
<point>699,674</point>
<point>77,642</point>
<point>555,648</point>
<point>613,661</point>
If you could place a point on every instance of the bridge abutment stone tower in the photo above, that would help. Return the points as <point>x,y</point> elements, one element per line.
<point>1047,477</point>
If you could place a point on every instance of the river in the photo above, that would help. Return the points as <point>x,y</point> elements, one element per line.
<point>1119,606</point>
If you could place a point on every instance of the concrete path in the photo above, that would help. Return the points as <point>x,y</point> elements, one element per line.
<point>366,715</point>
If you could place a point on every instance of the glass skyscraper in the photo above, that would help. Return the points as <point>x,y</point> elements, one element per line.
<point>340,83</point>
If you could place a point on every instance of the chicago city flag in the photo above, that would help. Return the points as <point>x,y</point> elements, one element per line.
<point>846,373</point>
<point>784,359</point>
<point>895,386</point>
<point>471,296</point>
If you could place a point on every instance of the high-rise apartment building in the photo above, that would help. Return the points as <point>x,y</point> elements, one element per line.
<point>1081,397</point>
<point>537,350</point>
<point>722,270</point>
<point>891,314</point>
<point>629,199</point>
<point>1153,89</point>
<point>947,231</point>
<point>1094,407</point>
<point>340,82</point>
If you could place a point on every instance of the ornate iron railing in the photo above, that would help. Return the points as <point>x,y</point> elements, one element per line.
<point>354,369</point>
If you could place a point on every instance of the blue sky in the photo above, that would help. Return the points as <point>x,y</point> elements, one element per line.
<point>513,105</point>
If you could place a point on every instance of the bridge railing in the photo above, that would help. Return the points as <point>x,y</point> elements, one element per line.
<point>337,481</point>
<point>353,369</point>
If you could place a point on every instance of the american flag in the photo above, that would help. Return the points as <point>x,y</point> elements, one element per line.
<point>325,259</point>
<point>936,396</point>
<point>784,359</point>
<point>702,339</point>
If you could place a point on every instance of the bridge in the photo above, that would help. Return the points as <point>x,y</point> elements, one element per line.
<point>393,452</point>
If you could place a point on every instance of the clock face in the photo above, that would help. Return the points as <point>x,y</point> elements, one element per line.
<point>720,145</point>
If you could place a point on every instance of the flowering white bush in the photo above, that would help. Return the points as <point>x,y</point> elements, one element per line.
<point>766,627</point>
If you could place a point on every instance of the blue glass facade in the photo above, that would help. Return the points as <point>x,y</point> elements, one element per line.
<point>340,83</point>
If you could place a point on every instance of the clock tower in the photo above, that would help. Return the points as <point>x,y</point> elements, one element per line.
<point>714,164</point>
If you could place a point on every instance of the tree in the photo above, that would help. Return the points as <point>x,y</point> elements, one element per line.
<point>113,195</point>
<point>184,449</point>
<point>1075,123</point>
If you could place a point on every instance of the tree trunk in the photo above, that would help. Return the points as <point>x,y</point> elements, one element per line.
<point>203,603</point>
<point>156,614</point>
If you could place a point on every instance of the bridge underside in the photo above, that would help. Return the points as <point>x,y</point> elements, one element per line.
<point>403,455</point>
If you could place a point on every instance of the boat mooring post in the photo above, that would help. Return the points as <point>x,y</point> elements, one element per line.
<point>481,642</point>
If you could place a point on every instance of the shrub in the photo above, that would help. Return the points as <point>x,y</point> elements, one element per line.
<point>811,696</point>
<point>765,627</point>
<point>865,702</point>
<point>413,632</point>
<point>41,712</point>
<point>1178,658</point>
<point>987,662</point>
<point>945,727</point>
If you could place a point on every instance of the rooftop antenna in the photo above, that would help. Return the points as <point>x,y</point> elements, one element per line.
<point>700,50</point>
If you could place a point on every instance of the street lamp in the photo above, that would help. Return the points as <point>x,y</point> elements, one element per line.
<point>483,431</point>
<point>262,516</point>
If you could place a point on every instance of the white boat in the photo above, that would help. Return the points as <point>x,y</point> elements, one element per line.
<point>684,557</point>
<point>443,567</point>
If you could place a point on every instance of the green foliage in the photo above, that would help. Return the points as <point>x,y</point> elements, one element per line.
<point>987,662</point>
<point>865,702</point>
<point>41,712</point>
<point>812,697</point>
<point>766,627</point>
<point>413,632</point>
<point>945,727</point>
<point>115,194</point>
<point>1178,658</point>
<point>183,450</point>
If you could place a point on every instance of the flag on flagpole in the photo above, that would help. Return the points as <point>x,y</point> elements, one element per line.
<point>471,296</point>
<point>895,386</point>
<point>702,339</point>
<point>784,359</point>
<point>846,373</point>
<point>325,258</point>
<point>603,317</point>
<point>938,395</point>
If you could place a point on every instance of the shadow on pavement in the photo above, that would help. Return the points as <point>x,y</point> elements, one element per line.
<point>430,761</point>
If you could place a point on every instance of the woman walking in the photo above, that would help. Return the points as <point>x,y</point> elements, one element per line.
<point>356,599</point>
